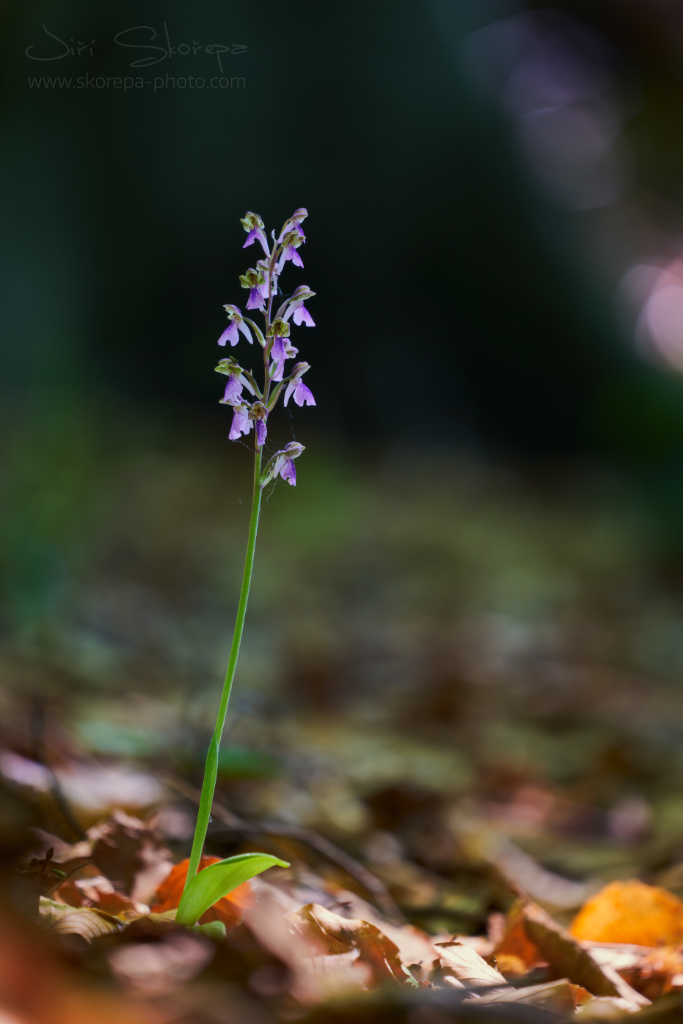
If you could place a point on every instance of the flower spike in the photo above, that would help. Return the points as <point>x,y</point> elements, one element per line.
<point>261,281</point>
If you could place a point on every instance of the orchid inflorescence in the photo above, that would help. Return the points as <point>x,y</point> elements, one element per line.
<point>262,284</point>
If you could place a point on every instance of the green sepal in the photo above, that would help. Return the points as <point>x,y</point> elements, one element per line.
<point>256,330</point>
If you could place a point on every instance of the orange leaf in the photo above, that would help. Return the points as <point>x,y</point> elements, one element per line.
<point>228,910</point>
<point>632,912</point>
<point>515,948</point>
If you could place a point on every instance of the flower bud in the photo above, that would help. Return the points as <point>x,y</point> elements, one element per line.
<point>301,293</point>
<point>294,449</point>
<point>299,369</point>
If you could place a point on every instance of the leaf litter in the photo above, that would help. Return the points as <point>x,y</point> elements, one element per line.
<point>499,840</point>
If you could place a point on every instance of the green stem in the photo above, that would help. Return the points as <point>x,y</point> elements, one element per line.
<point>211,769</point>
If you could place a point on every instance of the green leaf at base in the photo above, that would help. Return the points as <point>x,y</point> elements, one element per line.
<point>216,881</point>
<point>214,929</point>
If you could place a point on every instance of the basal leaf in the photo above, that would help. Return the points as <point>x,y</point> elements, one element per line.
<point>214,929</point>
<point>216,881</point>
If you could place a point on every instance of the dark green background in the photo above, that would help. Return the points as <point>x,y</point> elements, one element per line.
<point>455,298</point>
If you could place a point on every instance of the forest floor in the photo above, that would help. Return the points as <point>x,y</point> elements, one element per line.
<point>458,715</point>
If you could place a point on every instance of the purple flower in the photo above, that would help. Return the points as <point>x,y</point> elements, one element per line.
<point>294,223</point>
<point>259,414</point>
<point>295,308</point>
<point>302,316</point>
<point>292,241</point>
<point>296,387</point>
<point>301,392</point>
<point>253,280</point>
<point>236,327</point>
<point>282,349</point>
<point>236,381</point>
<point>240,421</point>
<point>255,229</point>
<point>233,391</point>
<point>230,334</point>
<point>283,464</point>
<point>288,472</point>
<point>245,416</point>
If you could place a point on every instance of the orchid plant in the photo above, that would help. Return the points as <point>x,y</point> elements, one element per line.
<point>204,888</point>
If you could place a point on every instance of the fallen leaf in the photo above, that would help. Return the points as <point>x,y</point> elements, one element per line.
<point>39,985</point>
<point>515,949</point>
<point>84,921</point>
<point>557,996</point>
<point>333,935</point>
<point>632,912</point>
<point>604,1008</point>
<point>465,964</point>
<point>98,892</point>
<point>228,909</point>
<point>658,972</point>
<point>569,959</point>
<point>128,852</point>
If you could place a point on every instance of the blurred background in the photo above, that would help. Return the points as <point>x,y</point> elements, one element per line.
<point>475,590</point>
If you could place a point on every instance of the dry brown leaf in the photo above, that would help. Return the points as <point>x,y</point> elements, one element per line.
<point>511,966</point>
<point>130,854</point>
<point>632,912</point>
<point>98,892</point>
<point>228,909</point>
<point>465,964</point>
<point>570,960</point>
<point>39,985</point>
<point>515,947</point>
<point>604,1008</point>
<point>557,996</point>
<point>335,935</point>
<point>414,945</point>
<point>84,921</point>
<point>658,972</point>
<point>620,955</point>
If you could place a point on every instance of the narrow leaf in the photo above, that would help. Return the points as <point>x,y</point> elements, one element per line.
<point>216,881</point>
